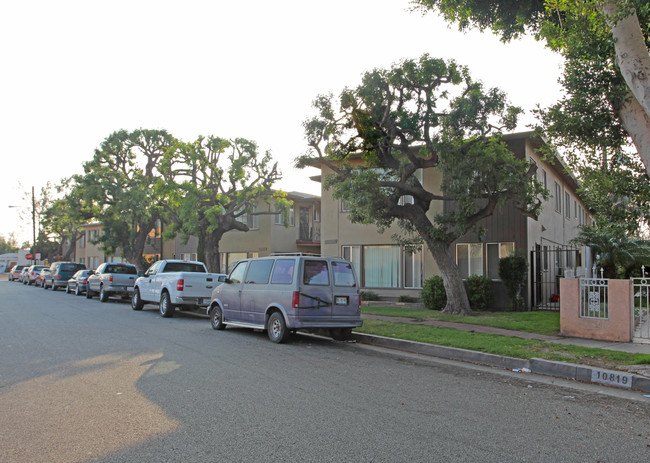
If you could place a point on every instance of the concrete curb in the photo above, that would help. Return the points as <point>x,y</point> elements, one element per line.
<point>538,366</point>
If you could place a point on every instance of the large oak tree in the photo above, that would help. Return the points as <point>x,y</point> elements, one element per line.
<point>419,115</point>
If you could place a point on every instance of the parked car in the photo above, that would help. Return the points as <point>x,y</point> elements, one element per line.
<point>14,273</point>
<point>30,275</point>
<point>60,273</point>
<point>22,277</point>
<point>40,278</point>
<point>78,283</point>
<point>112,279</point>
<point>175,283</point>
<point>285,293</point>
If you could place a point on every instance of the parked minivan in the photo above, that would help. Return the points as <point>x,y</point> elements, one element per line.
<point>288,292</point>
<point>60,273</point>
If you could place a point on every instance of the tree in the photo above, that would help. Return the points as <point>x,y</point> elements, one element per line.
<point>119,185</point>
<point>208,186</point>
<point>63,217</point>
<point>420,115</point>
<point>617,253</point>
<point>8,245</point>
<point>605,44</point>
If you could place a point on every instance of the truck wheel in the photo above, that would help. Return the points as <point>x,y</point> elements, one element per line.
<point>103,295</point>
<point>277,329</point>
<point>53,286</point>
<point>89,293</point>
<point>216,318</point>
<point>166,307</point>
<point>136,302</point>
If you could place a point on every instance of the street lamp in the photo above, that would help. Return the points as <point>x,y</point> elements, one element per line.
<point>33,225</point>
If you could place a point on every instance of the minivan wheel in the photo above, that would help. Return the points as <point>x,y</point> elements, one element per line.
<point>341,334</point>
<point>67,289</point>
<point>76,291</point>
<point>166,306</point>
<point>216,318</point>
<point>89,294</point>
<point>277,329</point>
<point>136,301</point>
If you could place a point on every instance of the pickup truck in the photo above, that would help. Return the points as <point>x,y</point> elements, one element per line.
<point>112,279</point>
<point>175,283</point>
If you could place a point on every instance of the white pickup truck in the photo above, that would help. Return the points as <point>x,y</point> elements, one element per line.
<point>175,283</point>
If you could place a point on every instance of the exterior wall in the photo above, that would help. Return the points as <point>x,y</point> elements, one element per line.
<point>338,232</point>
<point>88,253</point>
<point>618,327</point>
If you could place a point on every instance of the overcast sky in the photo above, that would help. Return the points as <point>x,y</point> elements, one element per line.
<point>74,71</point>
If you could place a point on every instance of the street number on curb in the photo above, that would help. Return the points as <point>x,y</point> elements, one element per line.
<point>611,378</point>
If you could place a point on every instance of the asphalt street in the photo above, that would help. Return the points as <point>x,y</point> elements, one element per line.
<point>84,381</point>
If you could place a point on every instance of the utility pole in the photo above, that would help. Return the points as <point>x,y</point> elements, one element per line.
<point>33,226</point>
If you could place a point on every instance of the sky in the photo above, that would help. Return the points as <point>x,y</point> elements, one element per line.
<point>74,71</point>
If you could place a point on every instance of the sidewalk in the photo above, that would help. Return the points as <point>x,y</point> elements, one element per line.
<point>637,379</point>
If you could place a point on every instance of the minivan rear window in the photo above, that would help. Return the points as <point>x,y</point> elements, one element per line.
<point>283,271</point>
<point>123,269</point>
<point>343,275</point>
<point>316,273</point>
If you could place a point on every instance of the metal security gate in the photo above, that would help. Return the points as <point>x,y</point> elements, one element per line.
<point>641,308</point>
<point>547,265</point>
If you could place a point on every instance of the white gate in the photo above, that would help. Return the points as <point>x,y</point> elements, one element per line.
<point>641,308</point>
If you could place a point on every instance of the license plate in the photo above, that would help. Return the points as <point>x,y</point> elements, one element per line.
<point>341,300</point>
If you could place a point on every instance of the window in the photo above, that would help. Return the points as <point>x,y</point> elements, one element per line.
<point>316,213</point>
<point>496,251</point>
<point>381,266</point>
<point>259,272</point>
<point>544,178</point>
<point>353,254</point>
<point>237,275</point>
<point>567,204</point>
<point>315,272</point>
<point>279,220</point>
<point>575,209</point>
<point>469,258</point>
<point>283,271</point>
<point>250,219</point>
<point>558,198</point>
<point>343,275</point>
<point>344,206</point>
<point>413,268</point>
<point>82,240</point>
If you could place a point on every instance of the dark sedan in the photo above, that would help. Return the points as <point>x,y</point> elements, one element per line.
<point>78,284</point>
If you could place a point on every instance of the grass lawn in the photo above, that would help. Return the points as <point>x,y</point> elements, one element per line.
<point>492,343</point>
<point>541,322</point>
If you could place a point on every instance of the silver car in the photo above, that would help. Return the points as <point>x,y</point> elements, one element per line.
<point>285,293</point>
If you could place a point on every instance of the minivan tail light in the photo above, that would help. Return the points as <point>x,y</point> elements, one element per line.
<point>110,278</point>
<point>295,302</point>
<point>180,284</point>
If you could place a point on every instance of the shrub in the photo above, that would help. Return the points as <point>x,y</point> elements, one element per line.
<point>512,271</point>
<point>369,296</point>
<point>433,293</point>
<point>479,291</point>
<point>405,298</point>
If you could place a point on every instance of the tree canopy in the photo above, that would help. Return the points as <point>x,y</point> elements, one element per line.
<point>381,138</point>
<point>209,185</point>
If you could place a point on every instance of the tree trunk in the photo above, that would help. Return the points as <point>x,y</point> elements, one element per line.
<point>457,301</point>
<point>137,250</point>
<point>633,61</point>
<point>210,244</point>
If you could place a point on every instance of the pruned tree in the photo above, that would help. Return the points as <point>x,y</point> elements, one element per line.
<point>207,186</point>
<point>119,182</point>
<point>420,115</point>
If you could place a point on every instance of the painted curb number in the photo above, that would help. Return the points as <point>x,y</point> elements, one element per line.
<point>611,378</point>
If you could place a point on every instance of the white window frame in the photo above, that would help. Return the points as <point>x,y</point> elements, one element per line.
<point>471,270</point>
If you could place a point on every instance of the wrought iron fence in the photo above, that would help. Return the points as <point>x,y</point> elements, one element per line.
<point>594,298</point>
<point>641,306</point>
